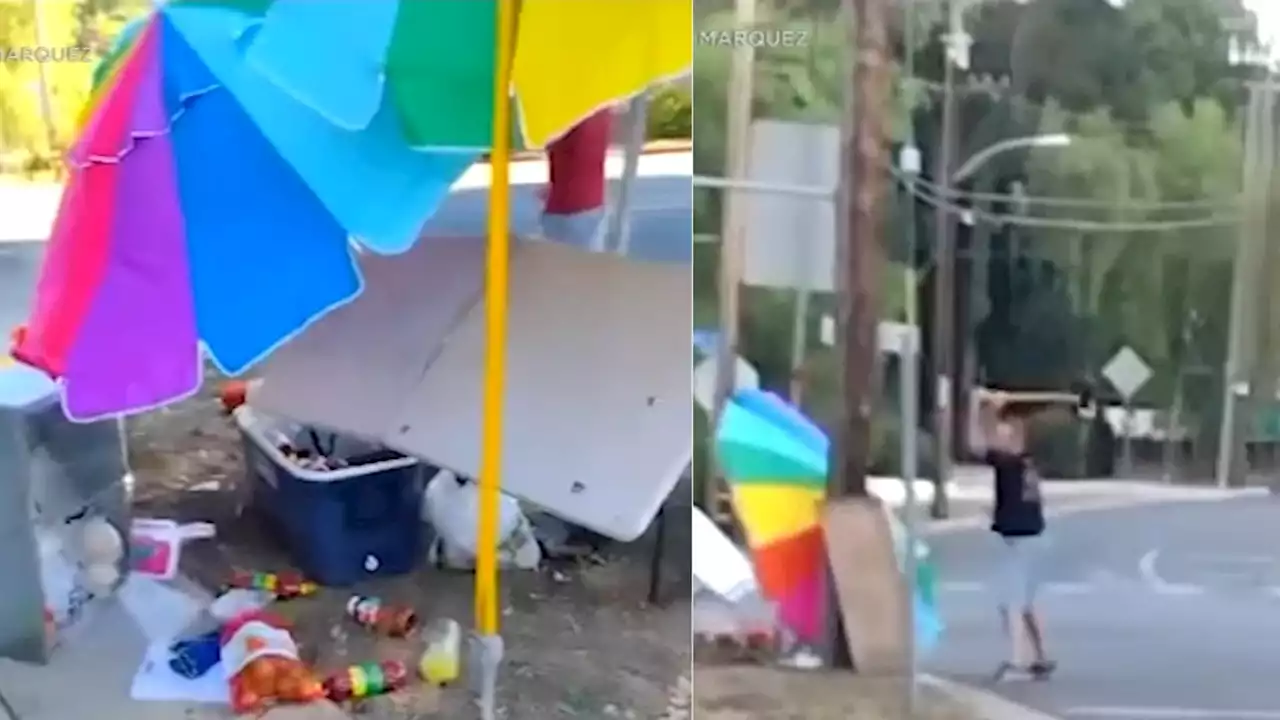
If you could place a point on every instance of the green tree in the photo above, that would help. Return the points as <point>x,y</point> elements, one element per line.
<point>24,135</point>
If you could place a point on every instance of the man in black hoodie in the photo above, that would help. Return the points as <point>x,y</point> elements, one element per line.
<point>1018,521</point>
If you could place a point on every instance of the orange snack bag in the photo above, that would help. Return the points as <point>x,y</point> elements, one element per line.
<point>261,658</point>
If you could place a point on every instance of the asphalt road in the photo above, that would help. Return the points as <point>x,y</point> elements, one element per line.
<point>19,263</point>
<point>1168,611</point>
<point>661,217</point>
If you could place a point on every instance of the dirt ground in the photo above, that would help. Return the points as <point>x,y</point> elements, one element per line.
<point>752,692</point>
<point>581,639</point>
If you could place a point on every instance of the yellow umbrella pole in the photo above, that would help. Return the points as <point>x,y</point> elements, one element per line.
<point>487,648</point>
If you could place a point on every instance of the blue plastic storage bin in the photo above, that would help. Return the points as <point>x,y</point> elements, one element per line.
<point>339,526</point>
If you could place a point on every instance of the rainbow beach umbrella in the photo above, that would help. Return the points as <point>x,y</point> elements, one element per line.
<point>775,460</point>
<point>432,63</point>
<point>775,465</point>
<point>208,209</point>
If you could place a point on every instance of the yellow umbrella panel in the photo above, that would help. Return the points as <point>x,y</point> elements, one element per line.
<point>630,45</point>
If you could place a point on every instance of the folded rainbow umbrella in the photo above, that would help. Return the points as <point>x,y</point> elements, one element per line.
<point>206,207</point>
<point>775,461</point>
<point>776,470</point>
<point>432,63</point>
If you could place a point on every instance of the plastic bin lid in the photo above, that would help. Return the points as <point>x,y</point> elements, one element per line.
<point>21,387</point>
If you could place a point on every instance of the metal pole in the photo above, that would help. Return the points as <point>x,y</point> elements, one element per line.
<point>944,268</point>
<point>799,344</point>
<point>45,91</point>
<point>739,127</point>
<point>909,375</point>
<point>619,234</point>
<point>1231,453</point>
<point>1170,453</point>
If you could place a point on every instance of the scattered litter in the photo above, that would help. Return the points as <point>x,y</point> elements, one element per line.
<point>564,540</point>
<point>390,620</point>
<point>441,662</point>
<point>157,682</point>
<point>160,610</point>
<point>238,601</point>
<point>261,659</point>
<point>232,394</point>
<point>452,508</point>
<point>193,657</point>
<point>283,586</point>
<point>156,545</point>
<point>718,564</point>
<point>366,680</point>
<point>728,610</point>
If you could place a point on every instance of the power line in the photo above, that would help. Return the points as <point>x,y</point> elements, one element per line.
<point>1069,202</point>
<point>998,218</point>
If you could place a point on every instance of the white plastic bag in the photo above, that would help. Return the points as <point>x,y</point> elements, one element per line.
<point>157,545</point>
<point>718,564</point>
<point>452,508</point>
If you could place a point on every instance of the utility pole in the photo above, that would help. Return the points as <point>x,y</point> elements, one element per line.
<point>945,258</point>
<point>1259,169</point>
<point>738,119</point>
<point>855,521</point>
<point>864,155</point>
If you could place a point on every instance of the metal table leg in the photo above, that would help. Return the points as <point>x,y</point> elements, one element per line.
<point>655,561</point>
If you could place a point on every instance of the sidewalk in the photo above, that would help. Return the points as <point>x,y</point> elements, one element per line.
<point>970,496</point>
<point>29,209</point>
<point>92,675</point>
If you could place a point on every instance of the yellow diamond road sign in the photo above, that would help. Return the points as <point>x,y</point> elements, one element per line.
<point>1127,372</point>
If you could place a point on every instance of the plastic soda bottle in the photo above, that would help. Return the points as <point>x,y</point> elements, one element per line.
<point>441,661</point>
<point>366,680</point>
<point>383,619</point>
<point>285,586</point>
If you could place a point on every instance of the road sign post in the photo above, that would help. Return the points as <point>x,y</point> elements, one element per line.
<point>1128,373</point>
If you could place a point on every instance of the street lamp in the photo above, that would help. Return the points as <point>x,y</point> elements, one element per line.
<point>944,299</point>
<point>983,156</point>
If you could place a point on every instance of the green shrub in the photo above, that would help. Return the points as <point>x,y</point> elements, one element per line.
<point>886,449</point>
<point>1100,456</point>
<point>701,454</point>
<point>1056,441</point>
<point>670,115</point>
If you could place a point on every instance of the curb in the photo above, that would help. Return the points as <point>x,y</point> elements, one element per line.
<point>986,704</point>
<point>657,147</point>
<point>978,522</point>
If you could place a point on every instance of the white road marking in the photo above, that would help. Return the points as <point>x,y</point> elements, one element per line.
<point>1234,559</point>
<point>1172,713</point>
<point>1054,588</point>
<point>961,586</point>
<point>1147,571</point>
<point>1069,588</point>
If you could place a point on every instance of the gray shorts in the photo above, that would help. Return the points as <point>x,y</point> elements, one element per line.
<point>1020,570</point>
